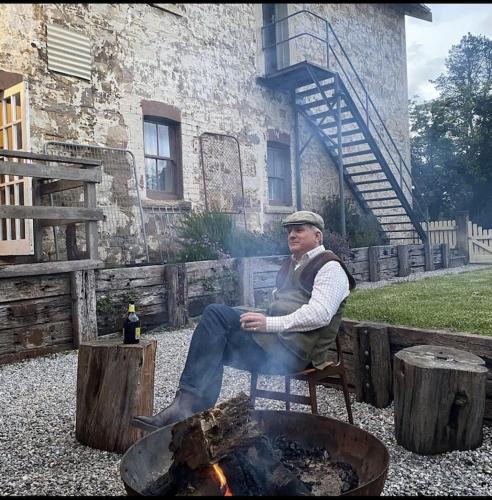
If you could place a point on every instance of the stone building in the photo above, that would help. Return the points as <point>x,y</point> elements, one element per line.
<point>200,106</point>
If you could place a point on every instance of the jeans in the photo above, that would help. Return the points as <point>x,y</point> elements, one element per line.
<point>219,339</point>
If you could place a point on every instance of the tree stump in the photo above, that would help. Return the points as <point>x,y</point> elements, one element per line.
<point>439,395</point>
<point>115,382</point>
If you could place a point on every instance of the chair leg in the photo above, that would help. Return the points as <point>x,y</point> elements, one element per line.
<point>252,389</point>
<point>312,396</point>
<point>287,392</point>
<point>346,397</point>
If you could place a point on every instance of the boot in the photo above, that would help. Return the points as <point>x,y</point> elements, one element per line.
<point>184,405</point>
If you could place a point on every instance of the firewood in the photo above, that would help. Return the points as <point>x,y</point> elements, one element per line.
<point>206,437</point>
<point>228,436</point>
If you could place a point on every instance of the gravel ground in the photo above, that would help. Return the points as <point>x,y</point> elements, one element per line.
<point>40,456</point>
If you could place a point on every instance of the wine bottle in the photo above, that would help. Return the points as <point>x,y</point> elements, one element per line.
<point>131,326</point>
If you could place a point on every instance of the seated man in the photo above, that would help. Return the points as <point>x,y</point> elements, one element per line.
<point>299,327</point>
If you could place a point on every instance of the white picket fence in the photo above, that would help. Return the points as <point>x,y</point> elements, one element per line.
<point>479,239</point>
<point>479,244</point>
<point>442,231</point>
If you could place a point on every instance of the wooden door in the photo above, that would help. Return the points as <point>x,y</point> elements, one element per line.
<point>16,235</point>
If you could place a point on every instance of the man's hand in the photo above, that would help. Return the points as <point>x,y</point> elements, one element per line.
<point>255,322</point>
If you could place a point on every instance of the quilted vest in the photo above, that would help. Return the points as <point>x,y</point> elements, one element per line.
<point>294,288</point>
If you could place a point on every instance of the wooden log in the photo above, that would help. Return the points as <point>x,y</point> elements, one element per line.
<point>177,298</point>
<point>439,399</point>
<point>128,277</point>
<point>403,265</point>
<point>24,313</point>
<point>32,337</point>
<point>374,366</point>
<point>83,288</point>
<point>462,219</point>
<point>373,254</point>
<point>428,259</point>
<point>37,228</point>
<point>246,285</point>
<point>228,436</point>
<point>91,234</point>
<point>59,159</point>
<point>206,437</point>
<point>445,255</point>
<point>55,214</point>
<point>34,287</point>
<point>115,382</point>
<point>73,251</point>
<point>62,266</point>
<point>37,170</point>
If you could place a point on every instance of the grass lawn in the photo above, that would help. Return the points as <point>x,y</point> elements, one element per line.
<point>459,302</point>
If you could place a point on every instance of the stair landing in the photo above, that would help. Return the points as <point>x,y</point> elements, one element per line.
<point>294,76</point>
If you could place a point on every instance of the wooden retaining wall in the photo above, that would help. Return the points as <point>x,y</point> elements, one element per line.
<point>397,338</point>
<point>146,285</point>
<point>50,313</point>
<point>35,316</point>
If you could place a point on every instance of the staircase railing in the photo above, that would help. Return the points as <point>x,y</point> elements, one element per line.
<point>368,109</point>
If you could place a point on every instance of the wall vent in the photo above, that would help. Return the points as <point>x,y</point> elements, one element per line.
<point>68,52</point>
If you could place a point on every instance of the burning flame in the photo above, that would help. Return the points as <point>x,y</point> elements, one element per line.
<point>224,487</point>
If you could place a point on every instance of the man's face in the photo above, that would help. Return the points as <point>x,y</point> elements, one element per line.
<point>302,238</point>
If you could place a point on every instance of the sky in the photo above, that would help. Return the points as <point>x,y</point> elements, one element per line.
<point>428,43</point>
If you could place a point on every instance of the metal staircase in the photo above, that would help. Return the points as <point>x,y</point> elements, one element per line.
<point>353,134</point>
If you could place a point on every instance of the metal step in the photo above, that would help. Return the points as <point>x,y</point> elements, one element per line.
<point>358,153</point>
<point>389,207</point>
<point>372,181</point>
<point>346,133</point>
<point>368,172</point>
<point>393,223</point>
<point>360,163</point>
<point>384,198</point>
<point>315,90</point>
<point>353,143</point>
<point>380,190</point>
<point>331,124</point>
<point>319,102</point>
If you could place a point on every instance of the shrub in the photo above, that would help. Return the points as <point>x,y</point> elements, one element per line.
<point>337,244</point>
<point>362,229</point>
<point>202,235</point>
<point>214,235</point>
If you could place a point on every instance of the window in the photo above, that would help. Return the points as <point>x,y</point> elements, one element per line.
<point>161,158</point>
<point>279,176</point>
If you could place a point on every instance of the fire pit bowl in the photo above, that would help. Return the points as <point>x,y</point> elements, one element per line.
<point>149,458</point>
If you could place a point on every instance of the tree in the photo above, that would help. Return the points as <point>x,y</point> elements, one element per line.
<point>451,150</point>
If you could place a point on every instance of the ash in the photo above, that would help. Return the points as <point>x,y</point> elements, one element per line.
<point>314,466</point>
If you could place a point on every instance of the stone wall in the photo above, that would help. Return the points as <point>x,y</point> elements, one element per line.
<point>203,63</point>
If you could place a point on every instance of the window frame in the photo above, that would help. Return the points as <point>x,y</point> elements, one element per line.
<point>287,178</point>
<point>174,128</point>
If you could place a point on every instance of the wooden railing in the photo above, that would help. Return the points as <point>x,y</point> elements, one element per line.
<point>65,174</point>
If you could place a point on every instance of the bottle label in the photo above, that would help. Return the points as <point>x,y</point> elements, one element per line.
<point>137,332</point>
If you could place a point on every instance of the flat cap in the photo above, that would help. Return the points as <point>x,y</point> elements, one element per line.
<point>304,217</point>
